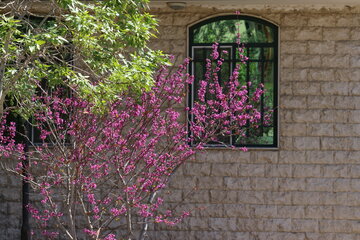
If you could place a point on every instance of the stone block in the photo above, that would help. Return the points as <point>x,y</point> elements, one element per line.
<point>306,116</point>
<point>225,169</point>
<point>239,210</point>
<point>252,170</point>
<point>237,183</point>
<point>249,225</point>
<point>265,211</point>
<point>321,74</point>
<point>196,169</point>
<point>320,157</point>
<point>322,21</point>
<point>342,185</point>
<point>335,88</point>
<point>277,225</point>
<point>319,212</point>
<point>305,225</point>
<point>306,143</point>
<point>335,61</point>
<point>218,196</point>
<point>291,184</point>
<point>336,34</point>
<point>251,197</point>
<point>306,61</point>
<point>334,116</point>
<point>306,198</point>
<point>335,226</point>
<point>335,171</point>
<point>292,157</point>
<point>266,157</point>
<point>321,47</point>
<point>348,47</point>
<point>306,88</point>
<point>319,184</point>
<point>294,47</point>
<point>294,20</point>
<point>293,102</point>
<point>320,102</point>
<point>291,212</point>
<point>308,33</point>
<point>264,184</point>
<point>277,198</point>
<point>223,224</point>
<point>355,62</point>
<point>278,170</point>
<point>212,182</point>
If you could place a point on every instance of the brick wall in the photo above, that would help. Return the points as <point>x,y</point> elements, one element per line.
<point>310,187</point>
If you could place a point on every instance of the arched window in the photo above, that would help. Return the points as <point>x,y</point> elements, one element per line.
<point>260,41</point>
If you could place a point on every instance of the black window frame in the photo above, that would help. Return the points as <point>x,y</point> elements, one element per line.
<point>234,45</point>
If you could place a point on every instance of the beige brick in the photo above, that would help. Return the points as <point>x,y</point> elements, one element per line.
<point>351,20</point>
<point>340,226</point>
<point>277,198</point>
<point>286,61</point>
<point>292,157</point>
<point>293,102</point>
<point>306,143</point>
<point>265,211</point>
<point>198,223</point>
<point>252,170</point>
<point>277,225</point>
<point>172,32</point>
<point>334,116</point>
<point>286,88</point>
<point>264,184</point>
<point>354,116</point>
<point>306,88</point>
<point>206,182</point>
<point>206,210</point>
<point>305,225</point>
<point>249,225</point>
<point>278,170</point>
<point>286,143</point>
<point>320,129</point>
<point>352,199</point>
<point>217,196</point>
<point>287,33</point>
<point>237,183</point>
<point>209,156</point>
<point>320,102</point>
<point>294,20</point>
<point>347,74</point>
<point>183,182</point>
<point>354,171</point>
<point>306,116</point>
<point>266,157</point>
<point>345,102</point>
<point>344,130</point>
<point>344,212</point>
<point>308,33</point>
<point>355,185</point>
<point>335,88</point>
<point>342,185</point>
<point>321,74</point>
<point>335,61</point>
<point>236,156</point>
<point>293,129</point>
<point>335,171</point>
<point>335,143</point>
<point>320,157</point>
<point>348,47</point>
<point>354,88</point>
<point>197,196</point>
<point>355,62</point>
<point>355,34</point>
<point>239,210</point>
<point>223,224</point>
<point>291,211</point>
<point>322,21</point>
<point>300,74</point>
<point>306,61</point>
<point>285,116</point>
<point>280,236</point>
<point>197,169</point>
<point>319,184</point>
<point>307,170</point>
<point>319,212</point>
<point>321,236</point>
<point>306,198</point>
<point>291,184</point>
<point>251,197</point>
<point>224,169</point>
<point>294,47</point>
<point>347,157</point>
<point>321,47</point>
<point>336,34</point>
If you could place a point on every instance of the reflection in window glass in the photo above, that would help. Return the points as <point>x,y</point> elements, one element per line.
<point>259,41</point>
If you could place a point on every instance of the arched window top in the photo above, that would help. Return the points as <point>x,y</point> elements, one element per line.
<point>225,29</point>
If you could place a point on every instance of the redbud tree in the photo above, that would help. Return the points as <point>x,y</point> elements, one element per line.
<point>98,173</point>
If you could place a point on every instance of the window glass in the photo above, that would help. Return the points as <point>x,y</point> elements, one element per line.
<point>258,39</point>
